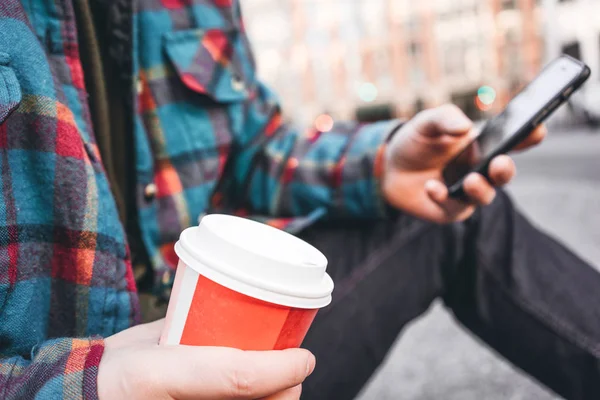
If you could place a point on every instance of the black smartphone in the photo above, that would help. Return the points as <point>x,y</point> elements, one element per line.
<point>549,90</point>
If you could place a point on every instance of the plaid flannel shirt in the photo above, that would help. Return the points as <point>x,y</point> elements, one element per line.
<point>208,136</point>
<point>65,270</point>
<point>211,137</point>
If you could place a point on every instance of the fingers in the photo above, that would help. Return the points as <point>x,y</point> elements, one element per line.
<point>436,190</point>
<point>444,120</point>
<point>257,374</point>
<point>478,190</point>
<point>289,394</point>
<point>534,138</point>
<point>223,373</point>
<point>450,120</point>
<point>443,208</point>
<point>140,334</point>
<point>502,170</point>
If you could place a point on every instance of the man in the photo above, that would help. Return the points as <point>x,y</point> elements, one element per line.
<point>149,110</point>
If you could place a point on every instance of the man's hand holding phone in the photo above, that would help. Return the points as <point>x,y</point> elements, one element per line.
<point>419,152</point>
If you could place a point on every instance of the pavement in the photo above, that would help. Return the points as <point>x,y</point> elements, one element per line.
<point>558,188</point>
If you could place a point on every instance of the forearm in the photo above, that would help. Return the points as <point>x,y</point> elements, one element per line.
<point>283,171</point>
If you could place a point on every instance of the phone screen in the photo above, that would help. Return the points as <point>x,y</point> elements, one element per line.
<point>552,81</point>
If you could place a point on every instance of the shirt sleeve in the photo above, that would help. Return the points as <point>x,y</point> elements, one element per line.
<point>279,170</point>
<point>63,368</point>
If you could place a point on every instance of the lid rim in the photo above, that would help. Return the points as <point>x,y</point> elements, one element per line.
<point>201,263</point>
<point>319,253</point>
<point>256,292</point>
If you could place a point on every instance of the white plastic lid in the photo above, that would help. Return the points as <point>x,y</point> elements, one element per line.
<point>257,260</point>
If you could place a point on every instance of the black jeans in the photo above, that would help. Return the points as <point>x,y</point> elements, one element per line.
<point>520,291</point>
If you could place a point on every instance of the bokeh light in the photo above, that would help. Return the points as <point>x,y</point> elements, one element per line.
<point>324,123</point>
<point>486,95</point>
<point>367,92</point>
<point>480,106</point>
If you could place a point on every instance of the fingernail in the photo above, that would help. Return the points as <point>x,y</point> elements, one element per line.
<point>310,364</point>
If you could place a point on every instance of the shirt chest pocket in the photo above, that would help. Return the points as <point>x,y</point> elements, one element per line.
<point>196,103</point>
<point>212,62</point>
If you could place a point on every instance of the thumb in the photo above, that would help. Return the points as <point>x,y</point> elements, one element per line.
<point>222,373</point>
<point>141,334</point>
<point>444,120</point>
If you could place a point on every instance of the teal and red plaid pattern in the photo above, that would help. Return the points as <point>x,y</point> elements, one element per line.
<point>207,129</point>
<point>58,369</point>
<point>208,136</point>
<point>64,264</point>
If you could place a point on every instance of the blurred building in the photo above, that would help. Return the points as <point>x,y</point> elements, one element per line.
<point>573,27</point>
<point>378,58</point>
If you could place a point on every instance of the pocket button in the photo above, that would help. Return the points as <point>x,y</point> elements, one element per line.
<point>150,192</point>
<point>139,86</point>
<point>238,84</point>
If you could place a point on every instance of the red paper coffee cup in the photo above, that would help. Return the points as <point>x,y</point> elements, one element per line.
<point>245,285</point>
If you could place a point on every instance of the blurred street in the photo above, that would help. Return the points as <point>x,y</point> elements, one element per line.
<point>558,187</point>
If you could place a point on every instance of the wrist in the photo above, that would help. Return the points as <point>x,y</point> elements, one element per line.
<point>385,187</point>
